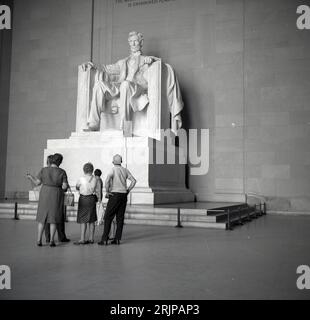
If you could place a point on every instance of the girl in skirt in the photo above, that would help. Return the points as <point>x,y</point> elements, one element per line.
<point>86,215</point>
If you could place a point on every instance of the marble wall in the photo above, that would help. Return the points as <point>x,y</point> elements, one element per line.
<point>277,109</point>
<point>243,68</point>
<point>50,38</point>
<point>5,63</point>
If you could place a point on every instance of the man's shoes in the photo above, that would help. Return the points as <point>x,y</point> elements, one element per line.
<point>103,243</point>
<point>52,244</point>
<point>65,240</point>
<point>39,243</point>
<point>116,241</point>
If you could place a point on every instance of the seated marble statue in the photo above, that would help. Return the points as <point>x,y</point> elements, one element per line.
<point>135,84</point>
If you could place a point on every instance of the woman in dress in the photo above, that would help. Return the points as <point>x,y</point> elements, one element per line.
<point>60,227</point>
<point>86,186</point>
<point>54,182</point>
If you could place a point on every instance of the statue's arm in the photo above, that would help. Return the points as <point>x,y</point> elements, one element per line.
<point>150,59</point>
<point>112,68</point>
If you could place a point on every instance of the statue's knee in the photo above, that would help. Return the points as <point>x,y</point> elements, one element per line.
<point>125,85</point>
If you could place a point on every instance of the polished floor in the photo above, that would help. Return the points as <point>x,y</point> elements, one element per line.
<point>255,261</point>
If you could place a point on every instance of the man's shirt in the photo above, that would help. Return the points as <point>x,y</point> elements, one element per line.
<point>119,177</point>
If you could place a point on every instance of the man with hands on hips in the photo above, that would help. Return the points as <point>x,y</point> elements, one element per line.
<point>116,192</point>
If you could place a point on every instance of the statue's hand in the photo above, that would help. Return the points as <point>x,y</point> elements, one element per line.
<point>87,65</point>
<point>148,60</point>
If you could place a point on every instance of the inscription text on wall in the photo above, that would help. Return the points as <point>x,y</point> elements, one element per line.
<point>136,3</point>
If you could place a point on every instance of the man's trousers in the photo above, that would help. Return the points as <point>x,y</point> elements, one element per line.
<point>116,207</point>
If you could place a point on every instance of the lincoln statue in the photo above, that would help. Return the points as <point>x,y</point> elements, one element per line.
<point>138,83</point>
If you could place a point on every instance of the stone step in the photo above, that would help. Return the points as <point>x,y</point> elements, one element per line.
<point>150,215</point>
<point>208,225</point>
<point>221,210</point>
<point>155,222</point>
<point>129,209</point>
<point>134,212</point>
<point>172,217</point>
<point>26,217</point>
<point>198,218</point>
<point>30,205</point>
<point>151,222</point>
<point>7,210</point>
<point>28,213</point>
<point>151,209</point>
<point>8,205</point>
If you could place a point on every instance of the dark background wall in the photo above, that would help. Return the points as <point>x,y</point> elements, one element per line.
<point>5,64</point>
<point>50,38</point>
<point>243,67</point>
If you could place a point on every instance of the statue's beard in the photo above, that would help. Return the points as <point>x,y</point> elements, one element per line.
<point>135,49</point>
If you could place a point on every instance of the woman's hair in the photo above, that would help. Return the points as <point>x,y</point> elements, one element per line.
<point>98,172</point>
<point>57,159</point>
<point>88,168</point>
<point>49,160</point>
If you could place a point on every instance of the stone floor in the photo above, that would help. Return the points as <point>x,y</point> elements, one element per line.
<point>255,261</point>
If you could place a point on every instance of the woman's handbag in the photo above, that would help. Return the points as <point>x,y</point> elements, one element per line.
<point>69,198</point>
<point>100,210</point>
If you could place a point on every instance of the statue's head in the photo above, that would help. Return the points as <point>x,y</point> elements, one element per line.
<point>117,160</point>
<point>135,40</point>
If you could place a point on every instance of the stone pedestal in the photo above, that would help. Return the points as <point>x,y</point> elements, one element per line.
<point>156,183</point>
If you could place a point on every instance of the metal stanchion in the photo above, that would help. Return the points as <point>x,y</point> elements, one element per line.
<point>15,212</point>
<point>229,226</point>
<point>265,208</point>
<point>179,225</point>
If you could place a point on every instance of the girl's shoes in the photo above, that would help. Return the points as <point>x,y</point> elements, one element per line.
<point>80,242</point>
<point>103,243</point>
